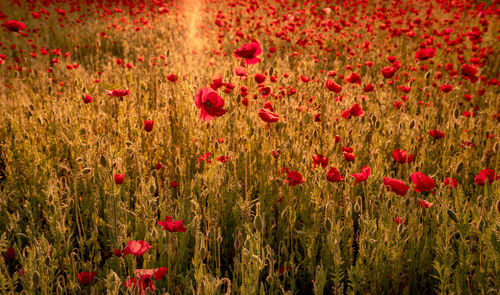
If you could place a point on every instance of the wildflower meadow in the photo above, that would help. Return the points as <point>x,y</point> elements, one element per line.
<point>249,147</point>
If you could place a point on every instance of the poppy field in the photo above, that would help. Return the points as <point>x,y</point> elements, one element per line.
<point>249,147</point>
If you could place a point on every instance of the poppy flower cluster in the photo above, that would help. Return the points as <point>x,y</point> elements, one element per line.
<point>321,160</point>
<point>136,248</point>
<point>172,226</point>
<point>402,156</point>
<point>143,281</point>
<point>363,175</point>
<point>486,176</point>
<point>354,111</point>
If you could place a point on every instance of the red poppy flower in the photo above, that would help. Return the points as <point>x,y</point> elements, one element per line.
<point>333,175</point>
<point>259,78</point>
<point>119,178</point>
<point>368,88</point>
<point>452,182</point>
<point>86,278</point>
<point>486,175</point>
<point>216,82</point>
<point>424,203</point>
<point>265,91</point>
<point>363,175</point>
<point>249,52</point>
<point>402,156</point>
<point>436,134</point>
<point>148,125</point>
<point>356,110</point>
<point>354,78</point>
<point>14,26</point>
<point>267,116</point>
<point>146,284</point>
<point>137,248</point>
<point>331,73</point>
<point>423,183</point>
<point>172,78</point>
<point>118,92</point>
<point>389,72</point>
<point>171,225</point>
<point>319,159</point>
<point>157,273</point>
<point>446,88</point>
<point>229,87</point>
<point>117,252</point>
<point>144,279</point>
<point>349,157</point>
<point>240,71</point>
<point>398,105</point>
<point>332,86</point>
<point>395,185</point>
<point>426,53</point>
<point>305,79</point>
<point>210,104</point>
<point>293,178</point>
<point>469,72</point>
<point>347,149</point>
<point>87,98</point>
<point>269,105</point>
<point>223,159</point>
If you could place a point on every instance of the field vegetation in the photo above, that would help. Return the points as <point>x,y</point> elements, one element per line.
<point>249,147</point>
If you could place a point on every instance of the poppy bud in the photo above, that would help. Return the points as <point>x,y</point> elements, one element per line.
<point>452,215</point>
